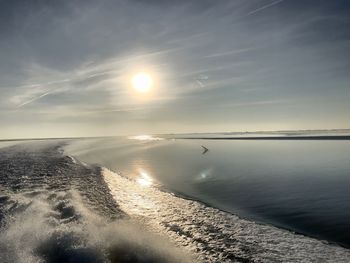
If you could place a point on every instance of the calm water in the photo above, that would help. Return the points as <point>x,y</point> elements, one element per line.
<point>303,186</point>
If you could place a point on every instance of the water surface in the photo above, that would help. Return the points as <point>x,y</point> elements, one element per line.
<point>299,185</point>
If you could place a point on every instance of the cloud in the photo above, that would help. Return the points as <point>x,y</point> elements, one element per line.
<point>73,61</point>
<point>265,6</point>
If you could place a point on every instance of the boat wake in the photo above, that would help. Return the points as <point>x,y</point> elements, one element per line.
<point>213,235</point>
<point>54,208</point>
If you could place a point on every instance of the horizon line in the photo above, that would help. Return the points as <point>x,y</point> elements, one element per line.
<point>182,133</point>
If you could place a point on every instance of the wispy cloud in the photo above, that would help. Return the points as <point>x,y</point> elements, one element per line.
<point>265,6</point>
<point>34,99</point>
<point>230,52</point>
<point>108,76</point>
<point>255,103</point>
<point>209,61</point>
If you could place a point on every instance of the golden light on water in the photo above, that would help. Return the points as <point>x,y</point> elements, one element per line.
<point>145,137</point>
<point>142,82</point>
<point>144,179</point>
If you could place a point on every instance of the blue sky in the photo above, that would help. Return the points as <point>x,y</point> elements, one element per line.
<point>228,65</point>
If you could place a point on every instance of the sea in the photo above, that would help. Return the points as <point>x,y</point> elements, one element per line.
<point>171,198</point>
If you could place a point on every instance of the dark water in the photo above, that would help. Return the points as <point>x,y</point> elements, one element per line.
<point>299,185</point>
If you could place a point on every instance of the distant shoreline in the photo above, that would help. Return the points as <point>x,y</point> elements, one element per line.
<point>322,137</point>
<point>275,135</point>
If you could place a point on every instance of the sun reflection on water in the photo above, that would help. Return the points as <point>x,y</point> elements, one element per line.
<point>144,179</point>
<point>145,137</point>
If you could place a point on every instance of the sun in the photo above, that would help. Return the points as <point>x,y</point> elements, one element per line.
<point>142,82</point>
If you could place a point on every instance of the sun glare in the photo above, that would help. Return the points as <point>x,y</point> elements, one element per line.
<point>144,179</point>
<point>142,82</point>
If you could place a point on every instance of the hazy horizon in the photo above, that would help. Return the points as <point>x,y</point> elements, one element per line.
<point>67,67</point>
<point>131,135</point>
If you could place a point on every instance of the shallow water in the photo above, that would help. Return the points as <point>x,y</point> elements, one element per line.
<point>298,185</point>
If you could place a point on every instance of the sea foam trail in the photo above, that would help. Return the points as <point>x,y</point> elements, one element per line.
<point>54,209</point>
<point>214,235</point>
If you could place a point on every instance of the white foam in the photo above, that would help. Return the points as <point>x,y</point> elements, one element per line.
<point>37,233</point>
<point>213,235</point>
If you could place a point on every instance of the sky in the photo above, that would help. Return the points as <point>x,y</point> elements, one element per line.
<point>226,65</point>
